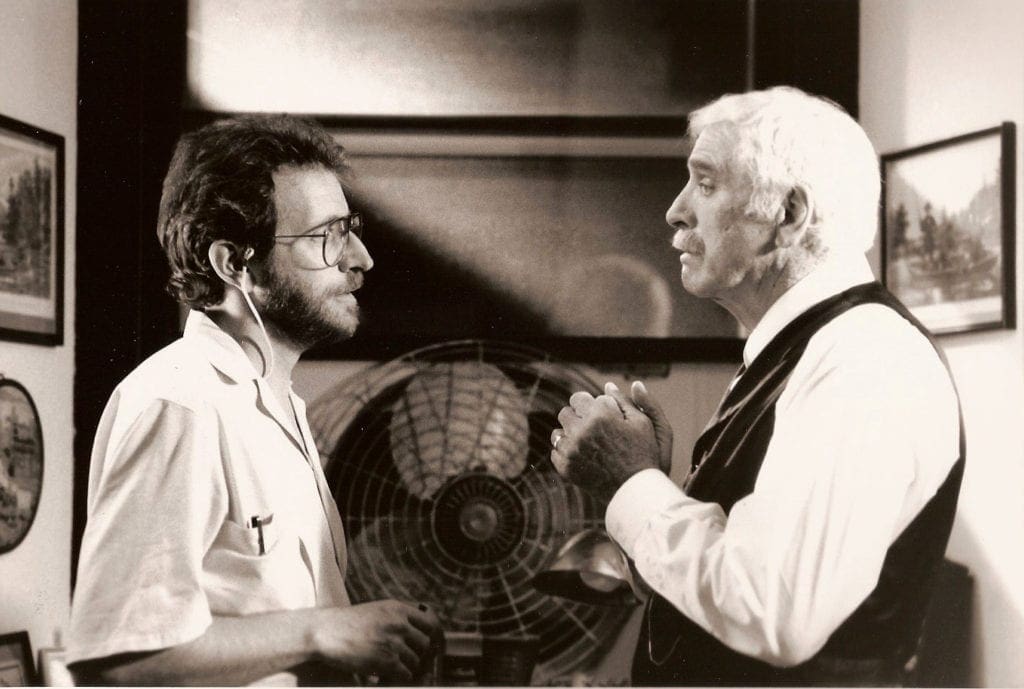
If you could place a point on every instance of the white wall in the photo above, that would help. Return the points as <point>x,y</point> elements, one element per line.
<point>931,69</point>
<point>38,85</point>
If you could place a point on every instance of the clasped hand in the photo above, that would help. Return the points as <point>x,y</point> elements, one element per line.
<point>604,440</point>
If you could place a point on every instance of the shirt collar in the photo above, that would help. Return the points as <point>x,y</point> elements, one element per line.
<point>222,350</point>
<point>829,278</point>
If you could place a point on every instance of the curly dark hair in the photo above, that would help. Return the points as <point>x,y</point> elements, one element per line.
<point>220,186</point>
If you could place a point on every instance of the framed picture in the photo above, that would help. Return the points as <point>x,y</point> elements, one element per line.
<point>16,668</point>
<point>555,242</point>
<point>31,234</point>
<point>21,463</point>
<point>948,226</point>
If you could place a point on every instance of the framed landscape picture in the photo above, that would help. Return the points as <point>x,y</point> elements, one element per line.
<point>31,234</point>
<point>948,215</point>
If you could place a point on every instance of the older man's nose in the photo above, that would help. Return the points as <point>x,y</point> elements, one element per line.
<point>678,214</point>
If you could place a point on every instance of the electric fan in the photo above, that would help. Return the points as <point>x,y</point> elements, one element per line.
<point>439,462</point>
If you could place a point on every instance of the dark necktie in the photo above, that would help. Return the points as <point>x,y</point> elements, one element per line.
<point>710,433</point>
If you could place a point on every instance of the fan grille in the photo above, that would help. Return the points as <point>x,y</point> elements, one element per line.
<point>439,463</point>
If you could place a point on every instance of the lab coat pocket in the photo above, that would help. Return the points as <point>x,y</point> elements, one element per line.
<point>246,576</point>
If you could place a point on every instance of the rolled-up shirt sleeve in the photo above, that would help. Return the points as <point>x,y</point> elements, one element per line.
<point>157,497</point>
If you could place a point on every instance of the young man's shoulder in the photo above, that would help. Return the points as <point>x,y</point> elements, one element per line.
<point>178,373</point>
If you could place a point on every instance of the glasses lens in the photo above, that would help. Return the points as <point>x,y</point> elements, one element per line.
<point>336,237</point>
<point>334,242</point>
<point>355,224</point>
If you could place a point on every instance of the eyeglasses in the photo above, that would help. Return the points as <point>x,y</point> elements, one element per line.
<point>335,236</point>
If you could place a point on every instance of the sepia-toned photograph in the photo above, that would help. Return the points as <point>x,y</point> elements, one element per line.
<point>582,343</point>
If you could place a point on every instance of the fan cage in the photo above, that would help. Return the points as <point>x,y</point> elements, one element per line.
<point>477,581</point>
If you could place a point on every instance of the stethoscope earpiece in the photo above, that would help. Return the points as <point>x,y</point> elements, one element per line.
<point>244,289</point>
<point>246,255</point>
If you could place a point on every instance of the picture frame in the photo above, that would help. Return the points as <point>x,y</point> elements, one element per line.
<point>21,463</point>
<point>31,234</point>
<point>546,99</point>
<point>948,222</point>
<point>16,666</point>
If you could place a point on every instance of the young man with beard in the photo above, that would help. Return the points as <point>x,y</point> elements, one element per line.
<point>214,553</point>
<point>802,545</point>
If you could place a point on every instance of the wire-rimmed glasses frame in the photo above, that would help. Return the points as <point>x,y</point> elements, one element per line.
<point>335,236</point>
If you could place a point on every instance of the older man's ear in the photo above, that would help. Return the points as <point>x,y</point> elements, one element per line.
<point>797,216</point>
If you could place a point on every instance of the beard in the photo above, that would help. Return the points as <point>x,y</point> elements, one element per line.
<point>306,320</point>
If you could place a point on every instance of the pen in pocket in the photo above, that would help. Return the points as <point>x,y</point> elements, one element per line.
<point>257,522</point>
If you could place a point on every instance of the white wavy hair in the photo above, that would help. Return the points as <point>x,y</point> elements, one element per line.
<point>785,138</point>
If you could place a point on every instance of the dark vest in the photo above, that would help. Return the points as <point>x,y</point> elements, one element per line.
<point>875,643</point>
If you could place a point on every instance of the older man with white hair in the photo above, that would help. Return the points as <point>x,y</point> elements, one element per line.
<point>803,544</point>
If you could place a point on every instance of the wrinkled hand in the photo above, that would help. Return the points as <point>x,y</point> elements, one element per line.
<point>604,440</point>
<point>662,429</point>
<point>386,638</point>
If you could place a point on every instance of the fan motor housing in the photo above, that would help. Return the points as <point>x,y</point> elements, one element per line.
<point>478,519</point>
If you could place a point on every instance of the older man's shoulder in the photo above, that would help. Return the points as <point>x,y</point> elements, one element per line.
<point>873,337</point>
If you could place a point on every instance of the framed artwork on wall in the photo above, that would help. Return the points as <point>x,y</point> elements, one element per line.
<point>555,237</point>
<point>21,463</point>
<point>948,226</point>
<point>16,666</point>
<point>31,234</point>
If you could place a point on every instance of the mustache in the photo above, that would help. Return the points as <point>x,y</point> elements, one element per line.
<point>355,281</point>
<point>690,244</point>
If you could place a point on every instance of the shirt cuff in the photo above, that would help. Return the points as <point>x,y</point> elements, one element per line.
<point>643,495</point>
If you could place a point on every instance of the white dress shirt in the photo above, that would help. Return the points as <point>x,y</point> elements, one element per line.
<point>865,432</point>
<point>192,446</point>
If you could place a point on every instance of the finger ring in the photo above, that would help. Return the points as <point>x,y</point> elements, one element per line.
<point>558,440</point>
